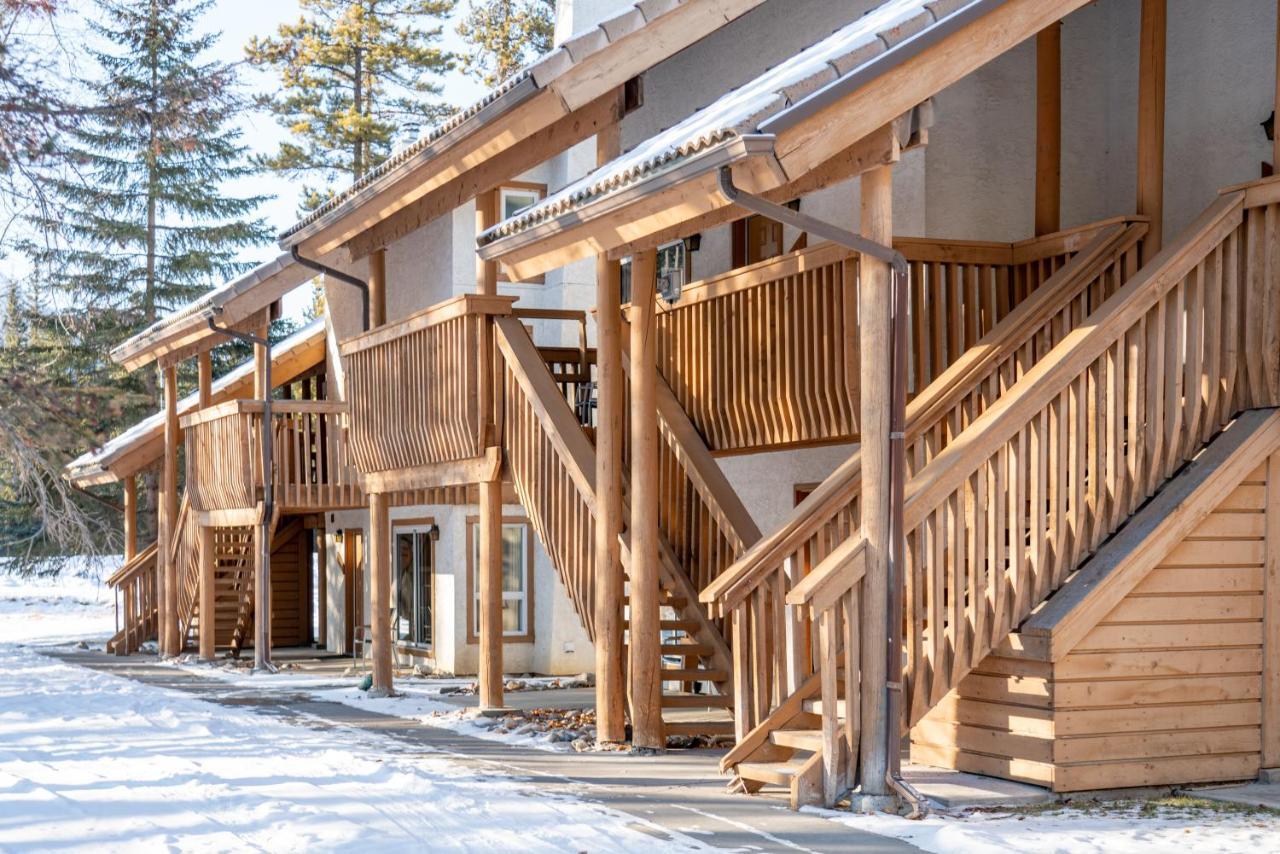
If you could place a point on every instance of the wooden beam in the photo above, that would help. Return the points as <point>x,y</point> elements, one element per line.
<point>449,473</point>
<point>514,159</point>
<point>380,593</point>
<point>377,288</point>
<point>170,643</point>
<point>875,332</point>
<point>130,517</point>
<point>610,404</point>
<point>1049,129</point>
<point>208,595</point>
<point>260,389</point>
<point>1151,86</point>
<point>645,634</point>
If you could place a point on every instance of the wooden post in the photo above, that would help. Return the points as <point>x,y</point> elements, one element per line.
<point>170,643</point>
<point>378,288</point>
<point>208,609</point>
<point>489,571</point>
<point>875,331</point>
<point>1151,123</point>
<point>260,356</point>
<point>130,517</point>
<point>380,592</point>
<point>610,690</point>
<point>205,370</point>
<point>1049,129</point>
<point>646,637</point>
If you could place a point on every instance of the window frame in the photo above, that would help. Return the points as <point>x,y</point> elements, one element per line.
<point>473,633</point>
<point>540,190</point>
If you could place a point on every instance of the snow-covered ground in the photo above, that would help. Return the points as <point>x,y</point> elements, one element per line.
<point>92,762</point>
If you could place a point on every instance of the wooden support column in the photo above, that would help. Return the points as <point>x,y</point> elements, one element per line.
<point>378,288</point>
<point>204,363</point>
<point>208,608</point>
<point>260,356</point>
<point>610,588</point>
<point>380,592</point>
<point>645,632</point>
<point>875,331</point>
<point>489,572</point>
<point>130,517</point>
<point>1049,129</point>
<point>1151,123</point>
<point>170,643</point>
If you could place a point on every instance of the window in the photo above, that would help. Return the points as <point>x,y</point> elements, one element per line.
<point>517,580</point>
<point>757,238</point>
<point>673,270</point>
<point>514,197</point>
<point>413,584</point>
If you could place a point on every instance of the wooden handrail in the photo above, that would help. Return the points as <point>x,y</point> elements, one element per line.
<point>138,563</point>
<point>1078,349</point>
<point>940,397</point>
<point>450,309</point>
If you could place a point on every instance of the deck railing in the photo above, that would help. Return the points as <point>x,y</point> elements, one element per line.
<point>135,589</point>
<point>767,355</point>
<point>754,589</point>
<point>414,386</point>
<point>311,456</point>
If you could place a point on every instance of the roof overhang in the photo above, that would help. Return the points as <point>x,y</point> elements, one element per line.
<point>143,443</point>
<point>835,132</point>
<point>563,98</point>
<point>246,303</point>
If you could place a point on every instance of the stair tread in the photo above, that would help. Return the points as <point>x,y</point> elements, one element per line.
<point>815,707</point>
<point>800,739</point>
<point>779,773</point>
<point>693,674</point>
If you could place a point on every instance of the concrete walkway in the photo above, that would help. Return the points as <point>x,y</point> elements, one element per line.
<point>680,790</point>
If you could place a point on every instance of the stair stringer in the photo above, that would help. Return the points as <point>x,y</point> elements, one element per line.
<point>1046,706</point>
<point>576,454</point>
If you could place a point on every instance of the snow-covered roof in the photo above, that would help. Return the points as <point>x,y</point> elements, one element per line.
<point>150,429</point>
<point>745,110</point>
<point>537,75</point>
<point>282,274</point>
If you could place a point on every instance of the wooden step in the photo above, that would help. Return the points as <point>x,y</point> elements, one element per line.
<point>696,701</point>
<point>798,739</point>
<point>778,773</point>
<point>814,707</point>
<point>698,727</point>
<point>693,674</point>
<point>678,649</point>
<point>686,626</point>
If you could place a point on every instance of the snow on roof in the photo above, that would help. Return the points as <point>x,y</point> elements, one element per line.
<point>142,431</point>
<point>742,111</point>
<point>539,73</point>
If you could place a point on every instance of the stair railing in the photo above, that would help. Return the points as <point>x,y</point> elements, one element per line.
<point>135,586</point>
<point>774,646</point>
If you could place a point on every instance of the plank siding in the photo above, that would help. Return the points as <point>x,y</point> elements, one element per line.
<point>1166,689</point>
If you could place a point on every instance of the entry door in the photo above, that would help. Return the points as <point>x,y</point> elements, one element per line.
<point>353,581</point>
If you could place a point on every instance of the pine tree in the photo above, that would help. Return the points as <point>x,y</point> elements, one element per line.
<point>138,226</point>
<point>505,35</point>
<point>352,73</point>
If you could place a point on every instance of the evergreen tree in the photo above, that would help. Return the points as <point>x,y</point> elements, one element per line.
<point>504,35</point>
<point>352,73</point>
<point>138,225</point>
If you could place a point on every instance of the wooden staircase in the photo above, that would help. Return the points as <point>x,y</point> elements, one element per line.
<point>552,466</point>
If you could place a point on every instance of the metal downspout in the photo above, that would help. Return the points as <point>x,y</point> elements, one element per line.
<point>345,278</point>
<point>897,457</point>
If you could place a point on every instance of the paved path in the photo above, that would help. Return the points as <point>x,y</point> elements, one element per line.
<point>680,790</point>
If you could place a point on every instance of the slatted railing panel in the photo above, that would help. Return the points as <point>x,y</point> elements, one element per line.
<point>414,386</point>
<point>136,615</point>
<point>224,457</point>
<point>313,464</point>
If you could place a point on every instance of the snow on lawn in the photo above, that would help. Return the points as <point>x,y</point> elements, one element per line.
<point>92,762</point>
<point>56,610</point>
<point>1119,827</point>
